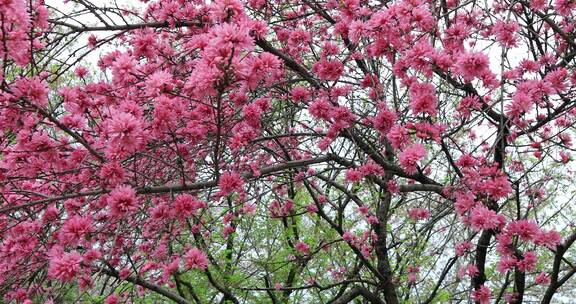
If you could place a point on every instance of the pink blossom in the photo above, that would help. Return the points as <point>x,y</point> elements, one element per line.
<point>482,218</point>
<point>472,65</point>
<point>392,186</point>
<point>228,229</point>
<point>185,205</point>
<point>372,220</point>
<point>224,10</point>
<point>423,99</point>
<point>364,210</point>
<point>469,270</point>
<point>122,200</point>
<point>467,105</point>
<point>302,247</point>
<point>228,36</point>
<point>384,121</point>
<point>123,68</point>
<point>257,4</point>
<point>370,168</point>
<point>74,230</point>
<point>312,208</point>
<point>564,157</point>
<point>564,7</point>
<point>230,182</point>
<point>348,236</point>
<point>410,156</point>
<point>353,176</point>
<point>464,203</point>
<point>298,37</point>
<point>482,295</point>
<point>556,79</point>
<point>530,65</point>
<point>320,109</point>
<point>511,297</point>
<point>328,69</point>
<point>117,166</point>
<point>418,214</point>
<point>159,81</point>
<point>195,259</point>
<point>65,266</point>
<point>112,174</point>
<point>504,244</point>
<point>542,278</point>
<point>521,104</point>
<point>34,90</point>
<point>125,133</point>
<point>92,41</point>
<point>506,264</point>
<point>248,209</point>
<point>463,247</point>
<point>538,4</point>
<point>528,262</point>
<point>497,187</point>
<point>466,160</point>
<point>91,255</point>
<point>277,209</point>
<point>300,94</point>
<point>112,299</point>
<point>412,278</point>
<point>398,136</point>
<point>81,71</point>
<point>330,49</point>
<point>356,31</point>
<point>549,239</point>
<point>124,273</point>
<point>51,213</point>
<point>525,229</point>
<point>506,33</point>
<point>425,130</point>
<point>288,207</point>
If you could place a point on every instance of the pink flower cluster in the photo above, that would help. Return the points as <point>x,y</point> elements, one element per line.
<point>482,218</point>
<point>277,209</point>
<point>417,214</point>
<point>19,20</point>
<point>472,65</point>
<point>65,266</point>
<point>328,69</point>
<point>230,182</point>
<point>122,201</point>
<point>75,230</point>
<point>482,295</point>
<point>195,259</point>
<point>357,174</point>
<point>361,242</point>
<point>423,99</point>
<point>185,206</point>
<point>410,157</point>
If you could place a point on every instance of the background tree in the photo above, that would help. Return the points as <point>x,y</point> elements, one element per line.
<point>287,151</point>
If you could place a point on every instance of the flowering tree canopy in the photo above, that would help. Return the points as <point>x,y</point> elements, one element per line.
<point>298,151</point>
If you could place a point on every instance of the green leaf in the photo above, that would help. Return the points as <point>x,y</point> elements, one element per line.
<point>443,296</point>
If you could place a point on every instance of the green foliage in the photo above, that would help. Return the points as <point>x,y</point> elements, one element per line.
<point>443,296</point>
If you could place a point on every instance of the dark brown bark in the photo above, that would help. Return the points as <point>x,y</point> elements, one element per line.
<point>387,285</point>
<point>150,286</point>
<point>356,291</point>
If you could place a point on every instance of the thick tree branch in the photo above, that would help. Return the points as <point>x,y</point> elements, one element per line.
<point>354,292</point>
<point>150,286</point>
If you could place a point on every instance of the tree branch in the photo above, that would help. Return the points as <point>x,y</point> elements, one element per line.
<point>150,286</point>
<point>178,187</point>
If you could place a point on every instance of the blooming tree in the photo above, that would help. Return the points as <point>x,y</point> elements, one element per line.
<point>301,151</point>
